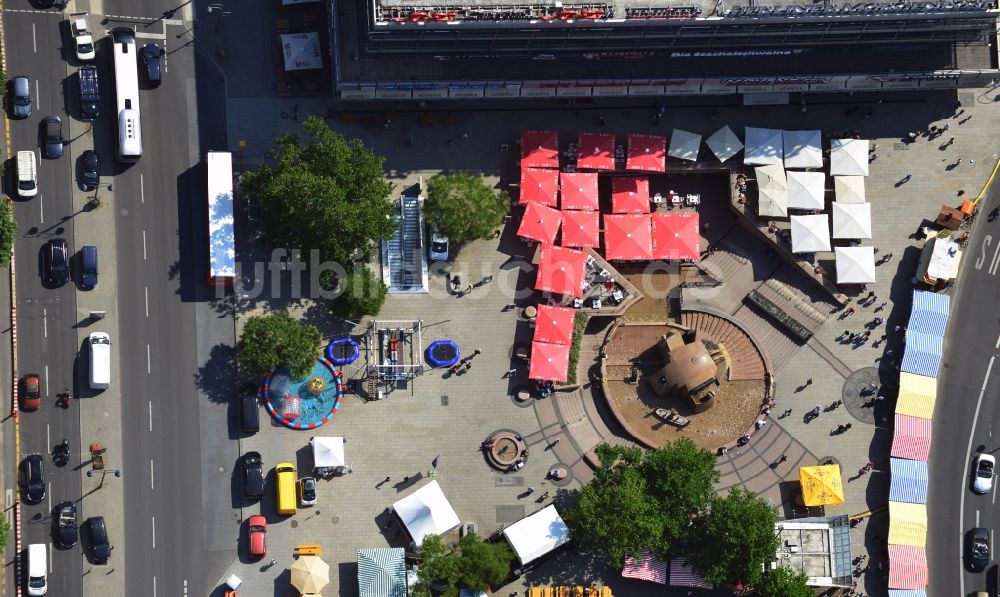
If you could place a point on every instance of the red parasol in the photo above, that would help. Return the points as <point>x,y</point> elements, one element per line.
<point>629,195</point>
<point>539,184</point>
<point>578,190</point>
<point>596,151</point>
<point>647,153</point>
<point>549,362</point>
<point>581,229</point>
<point>675,236</point>
<point>561,270</point>
<point>554,324</point>
<point>540,222</point>
<point>627,237</point>
<point>539,149</point>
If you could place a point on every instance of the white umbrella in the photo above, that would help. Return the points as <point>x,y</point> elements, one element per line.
<point>855,265</point>
<point>724,143</point>
<point>849,189</point>
<point>772,191</point>
<point>684,145</point>
<point>763,147</point>
<point>802,149</point>
<point>849,157</point>
<point>810,233</point>
<point>806,189</point>
<point>301,51</point>
<point>328,452</point>
<point>852,220</point>
<point>310,574</point>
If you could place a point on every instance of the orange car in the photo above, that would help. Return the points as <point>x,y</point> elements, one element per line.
<point>32,392</point>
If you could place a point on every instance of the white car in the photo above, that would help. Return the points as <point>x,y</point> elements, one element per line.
<point>439,247</point>
<point>307,491</point>
<point>984,473</point>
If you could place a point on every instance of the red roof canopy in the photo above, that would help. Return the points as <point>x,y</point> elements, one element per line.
<point>629,195</point>
<point>540,149</point>
<point>578,190</point>
<point>561,270</point>
<point>596,151</point>
<point>675,236</point>
<point>627,237</point>
<point>554,324</point>
<point>549,362</point>
<point>539,184</point>
<point>647,152</point>
<point>540,222</point>
<point>581,229</point>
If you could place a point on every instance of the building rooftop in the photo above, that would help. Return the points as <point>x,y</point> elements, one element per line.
<point>819,547</point>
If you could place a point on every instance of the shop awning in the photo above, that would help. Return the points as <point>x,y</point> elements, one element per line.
<point>646,567</point>
<point>911,437</point>
<point>917,395</point>
<point>675,236</point>
<point>908,481</point>
<point>681,575</point>
<point>581,229</point>
<point>855,265</point>
<point>852,220</point>
<point>301,51</point>
<point>540,223</point>
<point>596,151</point>
<point>763,147</point>
<point>907,524</point>
<point>627,237</point>
<point>539,184</point>
<point>534,536</point>
<point>810,233</point>
<point>821,485</point>
<point>848,157</point>
<point>382,572</point>
<point>561,270</point>
<point>629,195</point>
<point>646,153</point>
<point>772,191</point>
<point>803,149</point>
<point>578,190</point>
<point>554,324</point>
<point>684,145</point>
<point>724,143</point>
<point>426,511</point>
<point>929,313</point>
<point>549,362</point>
<point>907,592</point>
<point>540,149</point>
<point>907,570</point>
<point>922,354</point>
<point>806,189</point>
<point>849,189</point>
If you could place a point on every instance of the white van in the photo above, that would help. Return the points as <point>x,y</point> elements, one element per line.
<point>27,174</point>
<point>100,360</point>
<point>38,569</point>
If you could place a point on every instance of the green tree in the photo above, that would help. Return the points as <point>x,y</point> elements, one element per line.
<point>474,565</point>
<point>272,340</point>
<point>4,527</point>
<point>734,539</point>
<point>8,232</point>
<point>463,207</point>
<point>361,293</point>
<point>785,582</point>
<point>327,193</point>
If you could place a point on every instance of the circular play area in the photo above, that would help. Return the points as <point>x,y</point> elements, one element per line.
<point>305,403</point>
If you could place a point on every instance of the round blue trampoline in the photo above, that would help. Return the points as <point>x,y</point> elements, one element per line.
<point>443,353</point>
<point>342,351</point>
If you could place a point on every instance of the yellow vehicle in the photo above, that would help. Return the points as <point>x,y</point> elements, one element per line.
<point>285,475</point>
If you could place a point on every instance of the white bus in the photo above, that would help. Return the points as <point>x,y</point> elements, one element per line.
<point>127,94</point>
<point>221,234</point>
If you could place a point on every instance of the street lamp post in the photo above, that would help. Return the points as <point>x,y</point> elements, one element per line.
<point>96,200</point>
<point>104,473</point>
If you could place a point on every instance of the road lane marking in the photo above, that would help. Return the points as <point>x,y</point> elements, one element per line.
<point>143,245</point>
<point>48,496</point>
<point>142,190</point>
<point>38,104</point>
<point>46,381</point>
<point>154,586</point>
<point>152,484</point>
<point>50,558</point>
<point>149,362</point>
<point>48,435</point>
<point>997,345</point>
<point>150,415</point>
<point>977,518</point>
<point>146,290</point>
<point>154,532</point>
<point>41,207</point>
<point>34,38</point>
<point>968,450</point>
<point>45,322</point>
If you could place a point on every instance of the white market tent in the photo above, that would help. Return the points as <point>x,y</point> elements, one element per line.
<point>536,535</point>
<point>763,147</point>
<point>425,512</point>
<point>382,572</point>
<point>855,265</point>
<point>803,149</point>
<point>848,157</point>
<point>849,189</point>
<point>684,145</point>
<point>810,233</point>
<point>328,452</point>
<point>806,190</point>
<point>772,191</point>
<point>852,220</point>
<point>724,143</point>
<point>301,51</point>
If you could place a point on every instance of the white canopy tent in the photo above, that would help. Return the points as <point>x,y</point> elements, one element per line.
<point>763,147</point>
<point>806,189</point>
<point>855,265</point>
<point>536,535</point>
<point>852,220</point>
<point>301,51</point>
<point>772,191</point>
<point>810,233</point>
<point>848,157</point>
<point>724,143</point>
<point>803,149</point>
<point>684,145</point>
<point>328,454</point>
<point>849,189</point>
<point>426,511</point>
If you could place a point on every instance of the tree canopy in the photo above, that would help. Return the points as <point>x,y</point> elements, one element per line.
<point>785,582</point>
<point>326,193</point>
<point>463,207</point>
<point>273,340</point>
<point>361,293</point>
<point>475,565</point>
<point>8,232</point>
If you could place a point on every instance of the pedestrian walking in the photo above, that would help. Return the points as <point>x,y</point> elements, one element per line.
<point>871,295</point>
<point>531,489</point>
<point>906,179</point>
<point>897,328</point>
<point>809,382</point>
<point>386,480</point>
<point>456,281</point>
<point>468,365</point>
<point>880,307</point>
<point>468,289</point>
<point>887,257</point>
<point>850,310</point>
<point>476,352</point>
<point>512,372</point>
<point>888,352</point>
<point>879,398</point>
<point>945,128</point>
<point>847,427</point>
<point>783,458</point>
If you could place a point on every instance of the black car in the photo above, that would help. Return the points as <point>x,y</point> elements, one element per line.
<point>151,57</point>
<point>65,523</point>
<point>57,262</point>
<point>90,167</point>
<point>52,142</point>
<point>249,409</point>
<point>34,479</point>
<point>253,475</point>
<point>99,549</point>
<point>979,549</point>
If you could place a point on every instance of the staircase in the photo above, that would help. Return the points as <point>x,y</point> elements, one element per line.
<point>404,265</point>
<point>745,361</point>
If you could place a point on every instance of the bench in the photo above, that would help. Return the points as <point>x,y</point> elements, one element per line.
<point>309,549</point>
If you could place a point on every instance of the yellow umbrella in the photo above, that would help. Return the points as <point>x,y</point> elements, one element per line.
<point>821,485</point>
<point>310,574</point>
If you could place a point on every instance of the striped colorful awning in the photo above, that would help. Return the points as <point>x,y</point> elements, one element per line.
<point>923,353</point>
<point>917,395</point>
<point>911,438</point>
<point>681,575</point>
<point>907,526</point>
<point>382,572</point>
<point>907,593</point>
<point>929,314</point>
<point>646,567</point>
<point>909,481</point>
<point>907,567</point>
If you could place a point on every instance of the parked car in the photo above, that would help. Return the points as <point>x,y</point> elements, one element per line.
<point>979,549</point>
<point>257,536</point>
<point>34,478</point>
<point>253,475</point>
<point>52,146</point>
<point>90,168</point>
<point>439,246</point>
<point>32,392</point>
<point>99,548</point>
<point>65,523</point>
<point>249,409</point>
<point>88,267</point>
<point>151,58</point>
<point>307,491</point>
<point>983,465</point>
<point>57,262</point>
<point>20,97</point>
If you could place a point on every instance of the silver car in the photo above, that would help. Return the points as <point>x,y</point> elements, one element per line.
<point>983,465</point>
<point>20,97</point>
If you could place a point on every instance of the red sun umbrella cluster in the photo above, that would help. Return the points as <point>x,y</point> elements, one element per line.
<point>561,270</point>
<point>554,325</point>
<point>540,222</point>
<point>629,195</point>
<point>581,229</point>
<point>540,149</point>
<point>627,237</point>
<point>549,362</point>
<point>578,190</point>
<point>596,151</point>
<point>647,153</point>
<point>675,236</point>
<point>539,184</point>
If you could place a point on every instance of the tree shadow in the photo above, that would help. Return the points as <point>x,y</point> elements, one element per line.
<point>216,377</point>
